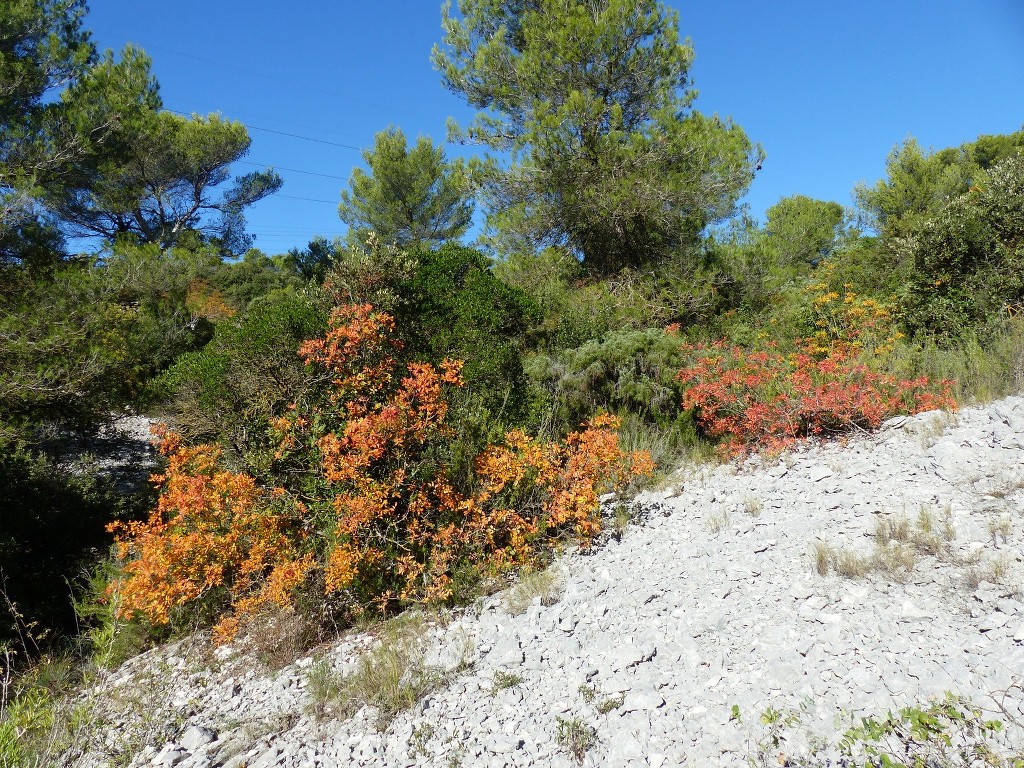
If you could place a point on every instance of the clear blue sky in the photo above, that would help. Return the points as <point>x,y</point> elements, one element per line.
<point>828,89</point>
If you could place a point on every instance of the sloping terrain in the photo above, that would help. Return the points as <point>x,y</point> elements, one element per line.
<point>837,581</point>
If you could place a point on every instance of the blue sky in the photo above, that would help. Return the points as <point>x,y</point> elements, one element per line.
<point>828,89</point>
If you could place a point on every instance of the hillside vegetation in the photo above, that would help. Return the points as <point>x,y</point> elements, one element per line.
<point>398,418</point>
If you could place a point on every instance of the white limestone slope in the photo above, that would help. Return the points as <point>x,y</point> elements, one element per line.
<point>712,599</point>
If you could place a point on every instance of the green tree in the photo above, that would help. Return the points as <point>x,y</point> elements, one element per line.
<point>968,259</point>
<point>42,48</point>
<point>160,175</point>
<point>103,159</point>
<point>801,230</point>
<point>593,102</point>
<point>919,183</point>
<point>411,197</point>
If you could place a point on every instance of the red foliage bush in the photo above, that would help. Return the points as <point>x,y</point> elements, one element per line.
<point>767,400</point>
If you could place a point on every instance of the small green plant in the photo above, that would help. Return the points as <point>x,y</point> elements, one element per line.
<point>949,733</point>
<point>324,684</point>
<point>391,676</point>
<point>111,639</point>
<point>592,695</point>
<point>778,721</point>
<point>610,703</point>
<point>575,736</point>
<point>455,757</point>
<point>421,735</point>
<point>503,680</point>
<point>589,692</point>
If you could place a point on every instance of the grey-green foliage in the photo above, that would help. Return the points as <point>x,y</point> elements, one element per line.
<point>410,197</point>
<point>968,258</point>
<point>592,101</point>
<point>625,371</point>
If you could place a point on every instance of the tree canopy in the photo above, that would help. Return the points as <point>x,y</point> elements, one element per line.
<point>411,197</point>
<point>43,48</point>
<point>802,230</point>
<point>593,102</point>
<point>85,144</point>
<point>164,182</point>
<point>919,183</point>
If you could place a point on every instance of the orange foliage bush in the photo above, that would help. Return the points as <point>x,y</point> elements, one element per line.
<point>366,502</point>
<point>211,530</point>
<point>202,300</point>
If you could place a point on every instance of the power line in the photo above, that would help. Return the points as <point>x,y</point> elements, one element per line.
<point>283,81</point>
<point>246,114</point>
<point>309,199</point>
<point>293,170</point>
<point>305,138</point>
<point>252,127</point>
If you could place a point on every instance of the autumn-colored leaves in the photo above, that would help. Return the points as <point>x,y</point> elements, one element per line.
<point>767,400</point>
<point>822,386</point>
<point>371,515</point>
<point>357,505</point>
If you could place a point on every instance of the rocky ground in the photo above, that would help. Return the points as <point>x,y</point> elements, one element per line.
<point>836,581</point>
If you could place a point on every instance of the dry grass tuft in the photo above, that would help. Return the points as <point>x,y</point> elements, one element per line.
<point>545,586</point>
<point>390,677</point>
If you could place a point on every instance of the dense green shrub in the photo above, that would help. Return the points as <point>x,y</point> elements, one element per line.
<point>228,391</point>
<point>969,258</point>
<point>456,308</point>
<point>255,275</point>
<point>689,288</point>
<point>83,339</point>
<point>447,303</point>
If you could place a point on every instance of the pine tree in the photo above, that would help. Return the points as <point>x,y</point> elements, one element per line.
<point>592,101</point>
<point>410,197</point>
